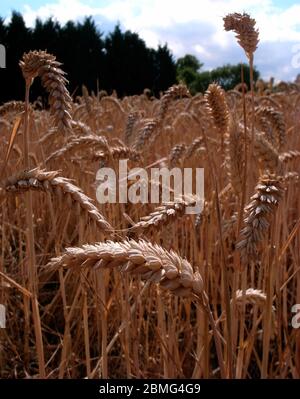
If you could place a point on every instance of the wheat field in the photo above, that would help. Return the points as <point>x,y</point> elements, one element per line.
<point>122,290</point>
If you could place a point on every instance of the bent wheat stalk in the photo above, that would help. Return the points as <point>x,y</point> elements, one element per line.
<point>277,122</point>
<point>251,296</point>
<point>163,215</point>
<point>81,142</point>
<point>172,93</point>
<point>12,106</point>
<point>145,133</point>
<point>266,153</point>
<point>44,65</point>
<point>176,154</point>
<point>41,180</point>
<point>244,27</point>
<point>116,153</point>
<point>288,156</point>
<point>150,261</point>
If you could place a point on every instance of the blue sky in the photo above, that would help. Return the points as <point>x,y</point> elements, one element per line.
<point>189,26</point>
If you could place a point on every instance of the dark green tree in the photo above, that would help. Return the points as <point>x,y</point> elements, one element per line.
<point>200,84</point>
<point>228,76</point>
<point>120,62</point>
<point>128,63</point>
<point>3,31</point>
<point>18,38</point>
<point>81,51</point>
<point>164,69</point>
<point>187,68</point>
<point>46,35</point>
<point>91,50</point>
<point>188,61</point>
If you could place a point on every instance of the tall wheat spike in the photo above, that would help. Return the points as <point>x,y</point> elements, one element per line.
<point>244,27</point>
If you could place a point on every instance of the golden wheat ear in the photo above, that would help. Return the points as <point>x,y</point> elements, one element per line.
<point>131,120</point>
<point>234,160</point>
<point>258,215</point>
<point>176,91</point>
<point>162,215</point>
<point>266,153</point>
<point>149,261</point>
<point>12,107</point>
<point>217,107</point>
<point>41,180</point>
<point>44,65</point>
<point>244,27</point>
<point>277,122</point>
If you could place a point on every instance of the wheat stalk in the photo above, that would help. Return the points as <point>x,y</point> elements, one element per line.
<point>277,122</point>
<point>266,153</point>
<point>150,261</point>
<point>117,153</point>
<point>12,106</point>
<point>44,65</point>
<point>289,156</point>
<point>152,124</point>
<point>145,133</point>
<point>244,27</point>
<point>176,154</point>
<point>258,215</point>
<point>250,296</point>
<point>217,107</point>
<point>234,145</point>
<point>172,93</point>
<point>131,120</point>
<point>194,147</point>
<point>164,214</point>
<point>41,180</point>
<point>82,142</point>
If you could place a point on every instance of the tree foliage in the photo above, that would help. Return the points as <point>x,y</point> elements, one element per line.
<point>120,61</point>
<point>189,70</point>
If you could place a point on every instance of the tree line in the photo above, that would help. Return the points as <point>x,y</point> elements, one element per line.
<point>190,71</point>
<point>119,61</point>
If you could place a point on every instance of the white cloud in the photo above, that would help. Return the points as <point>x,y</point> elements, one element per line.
<point>202,51</point>
<point>63,11</point>
<point>194,26</point>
